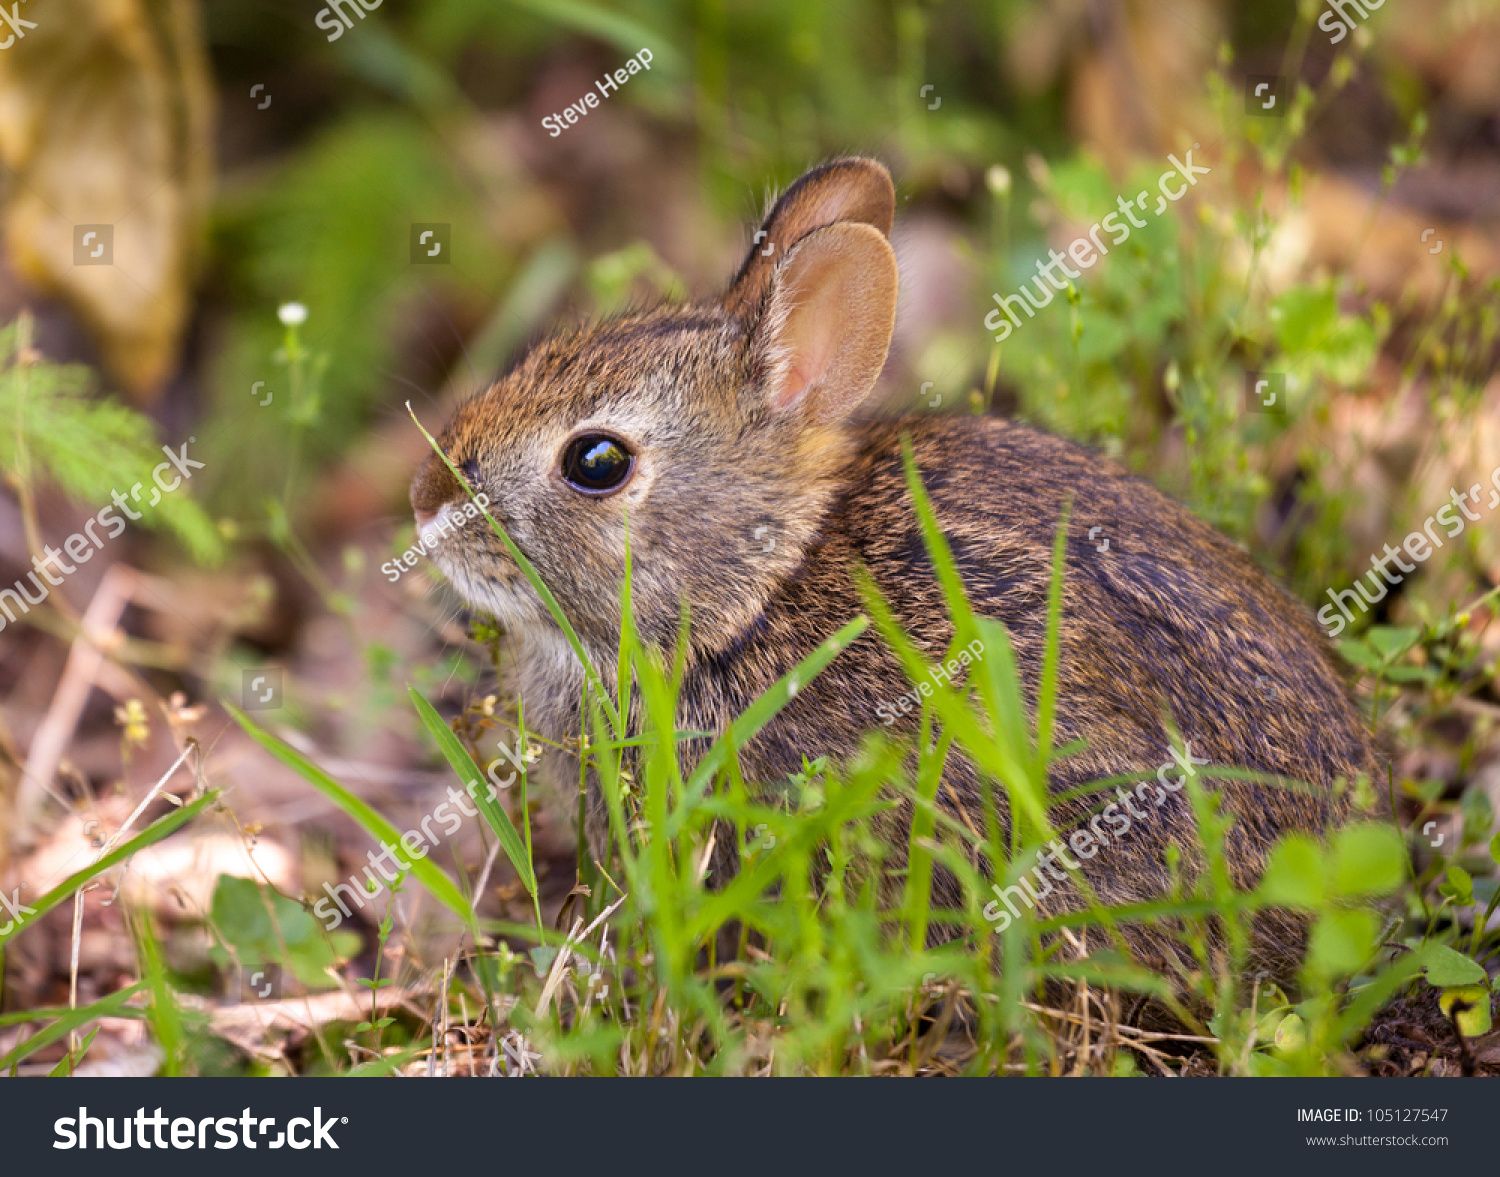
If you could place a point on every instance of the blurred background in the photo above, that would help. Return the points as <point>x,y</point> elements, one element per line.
<point>233,159</point>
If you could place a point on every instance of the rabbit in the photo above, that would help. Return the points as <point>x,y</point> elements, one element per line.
<point>729,433</point>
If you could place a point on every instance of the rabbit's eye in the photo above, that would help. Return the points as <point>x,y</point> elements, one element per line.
<point>596,464</point>
<point>471,471</point>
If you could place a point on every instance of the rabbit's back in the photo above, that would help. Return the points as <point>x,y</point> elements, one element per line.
<point>1161,615</point>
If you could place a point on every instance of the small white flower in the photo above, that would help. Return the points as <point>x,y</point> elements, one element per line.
<point>293,314</point>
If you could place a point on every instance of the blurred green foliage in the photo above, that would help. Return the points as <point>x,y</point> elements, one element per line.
<point>56,428</point>
<point>398,140</point>
<point>420,113</point>
<point>261,927</point>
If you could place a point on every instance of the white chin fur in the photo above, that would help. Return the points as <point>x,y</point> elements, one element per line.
<point>516,609</point>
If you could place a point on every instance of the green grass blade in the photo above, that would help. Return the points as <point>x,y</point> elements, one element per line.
<point>1111,975</point>
<point>760,713</point>
<point>152,834</point>
<point>741,892</point>
<point>46,1013</point>
<point>996,680</point>
<point>1046,703</point>
<point>918,901</point>
<point>71,1060</point>
<point>379,1068</point>
<point>960,612</point>
<point>1366,1001</point>
<point>166,1018</point>
<point>623,659</point>
<point>535,579</point>
<point>992,752</point>
<point>70,1021</point>
<point>424,870</point>
<point>478,788</point>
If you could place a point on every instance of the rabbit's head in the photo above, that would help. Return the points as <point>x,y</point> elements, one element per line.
<point>706,440</point>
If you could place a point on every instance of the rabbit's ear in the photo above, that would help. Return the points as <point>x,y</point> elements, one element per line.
<point>827,324</point>
<point>854,190</point>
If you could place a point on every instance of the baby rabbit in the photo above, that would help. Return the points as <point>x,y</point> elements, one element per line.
<point>728,431</point>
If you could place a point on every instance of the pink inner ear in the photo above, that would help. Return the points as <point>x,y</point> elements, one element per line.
<point>829,323</point>
<point>810,342</point>
<point>793,385</point>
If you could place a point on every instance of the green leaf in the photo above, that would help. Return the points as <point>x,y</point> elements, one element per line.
<point>1108,970</point>
<point>1341,942</point>
<point>1390,641</point>
<point>1294,876</point>
<point>389,1065</point>
<point>1316,337</point>
<point>1427,791</point>
<point>1358,653</point>
<point>1469,1006</point>
<point>1291,1034</point>
<point>1478,814</point>
<point>1366,859</point>
<point>475,784</point>
<point>425,871</point>
<point>46,1013</point>
<point>534,578</point>
<point>258,922</point>
<point>1446,968</point>
<point>1459,886</point>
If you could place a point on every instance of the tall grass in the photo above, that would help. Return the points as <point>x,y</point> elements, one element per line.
<point>815,957</point>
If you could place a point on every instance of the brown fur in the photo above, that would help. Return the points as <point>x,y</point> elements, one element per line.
<point>1171,616</point>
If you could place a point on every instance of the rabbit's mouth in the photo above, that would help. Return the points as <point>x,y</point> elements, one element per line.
<point>494,585</point>
<point>499,591</point>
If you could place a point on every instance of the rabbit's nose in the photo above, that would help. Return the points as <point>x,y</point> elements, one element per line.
<point>433,526</point>
<point>433,486</point>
